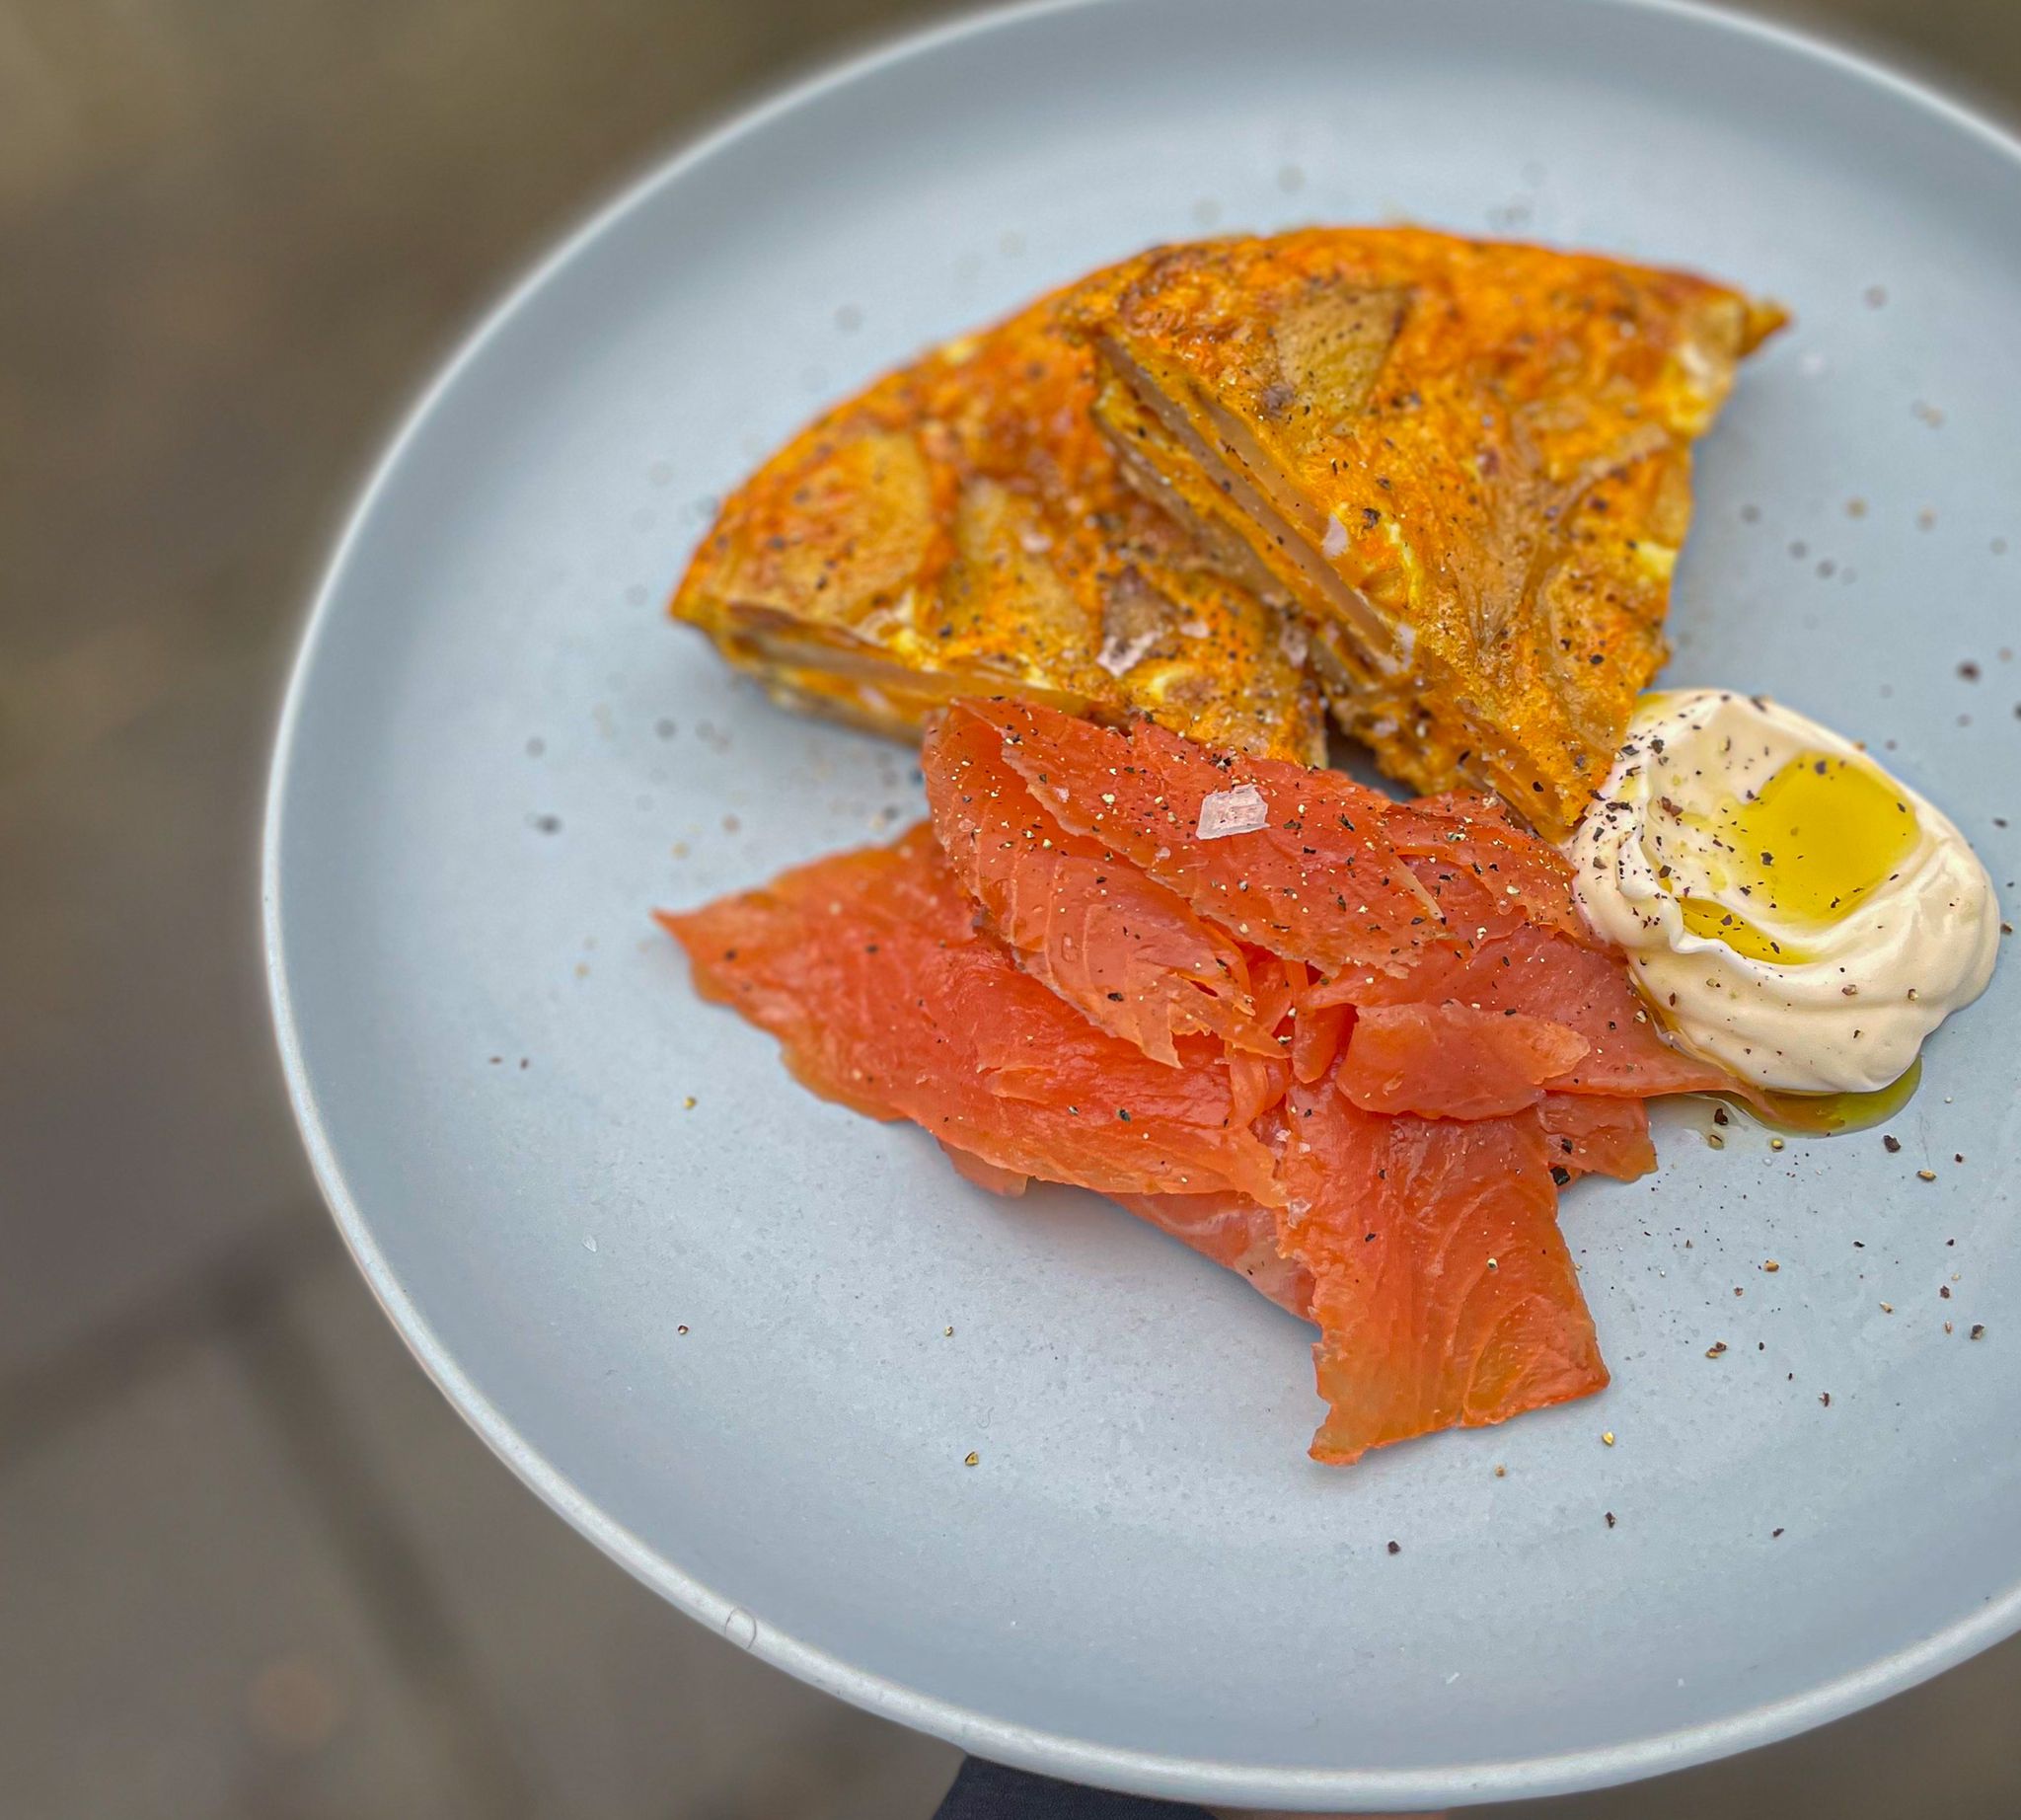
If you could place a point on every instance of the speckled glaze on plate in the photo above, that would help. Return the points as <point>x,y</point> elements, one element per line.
<point>708,1317</point>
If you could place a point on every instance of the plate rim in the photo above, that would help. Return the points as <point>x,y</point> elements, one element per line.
<point>1200,1780</point>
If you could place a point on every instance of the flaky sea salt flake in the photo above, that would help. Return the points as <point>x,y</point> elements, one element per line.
<point>1241,811</point>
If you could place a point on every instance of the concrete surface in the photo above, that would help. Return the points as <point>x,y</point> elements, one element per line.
<point>250,1564</point>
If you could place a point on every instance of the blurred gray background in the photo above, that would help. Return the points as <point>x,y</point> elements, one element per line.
<point>250,1564</point>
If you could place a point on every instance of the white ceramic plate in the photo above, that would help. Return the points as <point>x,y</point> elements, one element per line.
<point>715,1338</point>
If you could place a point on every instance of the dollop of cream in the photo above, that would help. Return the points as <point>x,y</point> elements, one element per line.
<point>1792,911</point>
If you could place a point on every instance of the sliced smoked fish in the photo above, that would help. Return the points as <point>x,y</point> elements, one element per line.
<point>1318,881</point>
<point>868,969</point>
<point>1449,1060</point>
<point>1442,1289</point>
<point>1588,1134</point>
<point>1129,954</point>
<point>1349,1049</point>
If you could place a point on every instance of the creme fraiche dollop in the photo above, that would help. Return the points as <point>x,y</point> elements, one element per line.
<point>1792,912</point>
